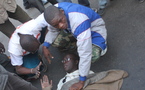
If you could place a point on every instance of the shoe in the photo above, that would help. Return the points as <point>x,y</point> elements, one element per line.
<point>101,11</point>
<point>141,1</point>
<point>95,9</point>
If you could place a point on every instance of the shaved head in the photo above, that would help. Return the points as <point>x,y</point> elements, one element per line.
<point>29,42</point>
<point>50,13</point>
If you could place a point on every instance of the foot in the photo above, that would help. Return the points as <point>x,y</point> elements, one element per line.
<point>101,11</point>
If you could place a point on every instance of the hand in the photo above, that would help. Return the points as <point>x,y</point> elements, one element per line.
<point>47,53</point>
<point>45,82</point>
<point>36,70</point>
<point>77,86</point>
<point>2,48</point>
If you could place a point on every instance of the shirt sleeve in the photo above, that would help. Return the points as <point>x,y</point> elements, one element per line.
<point>80,26</point>
<point>51,35</point>
<point>16,60</point>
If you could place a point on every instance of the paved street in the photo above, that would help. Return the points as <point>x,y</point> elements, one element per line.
<point>125,22</point>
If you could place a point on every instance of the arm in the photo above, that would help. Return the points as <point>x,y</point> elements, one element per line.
<point>49,39</point>
<point>82,31</point>
<point>85,59</point>
<point>23,70</point>
<point>16,60</point>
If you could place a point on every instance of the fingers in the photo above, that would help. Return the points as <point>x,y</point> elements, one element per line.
<point>41,83</point>
<point>50,55</point>
<point>46,78</point>
<point>51,82</point>
<point>49,61</point>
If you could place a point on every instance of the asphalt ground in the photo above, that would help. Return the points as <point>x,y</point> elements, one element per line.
<point>125,22</point>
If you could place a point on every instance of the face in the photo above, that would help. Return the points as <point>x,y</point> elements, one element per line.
<point>60,21</point>
<point>69,63</point>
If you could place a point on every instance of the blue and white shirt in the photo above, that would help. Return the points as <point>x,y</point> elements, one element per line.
<point>88,28</point>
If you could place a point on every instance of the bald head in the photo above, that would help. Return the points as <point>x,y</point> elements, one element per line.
<point>50,13</point>
<point>29,42</point>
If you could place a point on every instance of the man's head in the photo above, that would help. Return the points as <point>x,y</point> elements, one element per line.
<point>29,43</point>
<point>55,17</point>
<point>70,62</point>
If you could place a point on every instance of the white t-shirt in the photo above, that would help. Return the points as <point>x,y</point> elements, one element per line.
<point>69,76</point>
<point>32,27</point>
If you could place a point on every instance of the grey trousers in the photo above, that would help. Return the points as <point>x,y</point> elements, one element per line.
<point>10,81</point>
<point>8,28</point>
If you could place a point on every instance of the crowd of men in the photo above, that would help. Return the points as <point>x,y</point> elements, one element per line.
<point>73,28</point>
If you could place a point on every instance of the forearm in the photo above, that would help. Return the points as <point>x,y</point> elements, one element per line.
<point>23,70</point>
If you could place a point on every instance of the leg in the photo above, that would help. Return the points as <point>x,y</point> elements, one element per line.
<point>6,63</point>
<point>64,1</point>
<point>18,83</point>
<point>84,2</point>
<point>7,28</point>
<point>65,41</point>
<point>102,3</point>
<point>37,4</point>
<point>96,53</point>
<point>19,15</point>
<point>52,1</point>
<point>102,6</point>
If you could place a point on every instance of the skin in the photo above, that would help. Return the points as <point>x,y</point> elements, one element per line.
<point>71,65</point>
<point>59,22</point>
<point>32,49</point>
<point>45,82</point>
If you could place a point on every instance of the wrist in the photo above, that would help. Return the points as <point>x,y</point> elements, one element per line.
<point>46,44</point>
<point>82,78</point>
<point>32,72</point>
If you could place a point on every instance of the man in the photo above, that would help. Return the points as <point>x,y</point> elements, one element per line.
<point>24,44</point>
<point>105,80</point>
<point>9,8</point>
<point>86,26</point>
<point>70,63</point>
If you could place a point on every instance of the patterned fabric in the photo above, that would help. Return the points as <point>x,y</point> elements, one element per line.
<point>96,53</point>
<point>65,41</point>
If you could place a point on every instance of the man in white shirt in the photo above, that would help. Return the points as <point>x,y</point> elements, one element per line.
<point>70,63</point>
<point>24,44</point>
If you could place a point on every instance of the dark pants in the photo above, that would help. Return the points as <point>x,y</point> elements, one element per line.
<point>6,63</point>
<point>38,4</point>
<point>84,2</point>
<point>8,28</point>
<point>13,82</point>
